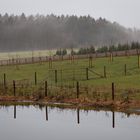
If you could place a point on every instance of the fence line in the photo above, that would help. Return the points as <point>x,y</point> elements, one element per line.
<point>31,60</point>
<point>79,90</point>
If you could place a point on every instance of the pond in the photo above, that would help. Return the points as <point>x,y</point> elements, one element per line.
<point>36,122</point>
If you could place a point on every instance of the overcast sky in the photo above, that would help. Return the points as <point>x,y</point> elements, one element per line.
<point>125,12</point>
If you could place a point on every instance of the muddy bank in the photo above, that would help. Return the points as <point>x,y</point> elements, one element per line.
<point>119,105</point>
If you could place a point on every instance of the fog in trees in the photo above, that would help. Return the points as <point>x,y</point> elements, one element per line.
<point>51,31</point>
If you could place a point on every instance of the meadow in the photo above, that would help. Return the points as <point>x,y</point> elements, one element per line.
<point>96,76</point>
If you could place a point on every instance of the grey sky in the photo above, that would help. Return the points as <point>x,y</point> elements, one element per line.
<point>125,12</point>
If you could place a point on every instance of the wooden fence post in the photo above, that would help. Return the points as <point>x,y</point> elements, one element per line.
<point>50,62</point>
<point>104,71</point>
<point>77,87</point>
<point>61,78</point>
<point>90,62</point>
<point>14,87</point>
<point>106,54</point>
<point>25,60</point>
<point>125,52</point>
<point>4,80</point>
<point>125,69</point>
<point>111,57</point>
<point>73,74</point>
<point>40,60</point>
<point>35,78</point>
<point>113,91</point>
<point>72,58</point>
<point>46,88</point>
<point>87,74</point>
<point>96,54</point>
<point>55,76</point>
<point>32,59</point>
<point>138,61</point>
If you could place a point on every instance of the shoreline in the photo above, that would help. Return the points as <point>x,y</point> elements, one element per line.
<point>116,105</point>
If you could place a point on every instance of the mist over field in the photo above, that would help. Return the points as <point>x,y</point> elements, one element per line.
<point>45,32</point>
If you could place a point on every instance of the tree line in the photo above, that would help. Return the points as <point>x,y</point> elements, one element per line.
<point>119,47</point>
<point>35,32</point>
<point>103,49</point>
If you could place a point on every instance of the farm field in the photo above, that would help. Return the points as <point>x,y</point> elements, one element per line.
<point>29,54</point>
<point>114,71</point>
<point>69,72</point>
<point>26,54</point>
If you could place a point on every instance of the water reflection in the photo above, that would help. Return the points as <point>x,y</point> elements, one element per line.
<point>113,119</point>
<point>71,124</point>
<point>46,113</point>
<point>15,112</point>
<point>78,116</point>
<point>77,110</point>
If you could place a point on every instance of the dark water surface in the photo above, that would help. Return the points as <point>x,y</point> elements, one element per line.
<point>48,123</point>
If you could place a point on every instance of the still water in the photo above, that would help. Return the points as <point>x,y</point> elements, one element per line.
<point>53,123</point>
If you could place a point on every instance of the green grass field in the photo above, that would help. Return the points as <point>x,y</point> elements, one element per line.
<point>69,72</point>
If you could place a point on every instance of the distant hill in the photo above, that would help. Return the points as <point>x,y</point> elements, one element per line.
<point>44,32</point>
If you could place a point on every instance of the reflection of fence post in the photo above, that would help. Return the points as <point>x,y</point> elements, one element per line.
<point>55,76</point>
<point>113,119</point>
<point>78,115</point>
<point>113,91</point>
<point>46,88</point>
<point>77,87</point>
<point>14,111</point>
<point>46,113</point>
<point>87,74</point>
<point>35,78</point>
<point>14,87</point>
<point>104,71</point>
<point>4,80</point>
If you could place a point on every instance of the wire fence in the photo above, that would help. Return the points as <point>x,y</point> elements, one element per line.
<point>40,59</point>
<point>62,82</point>
<point>67,83</point>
